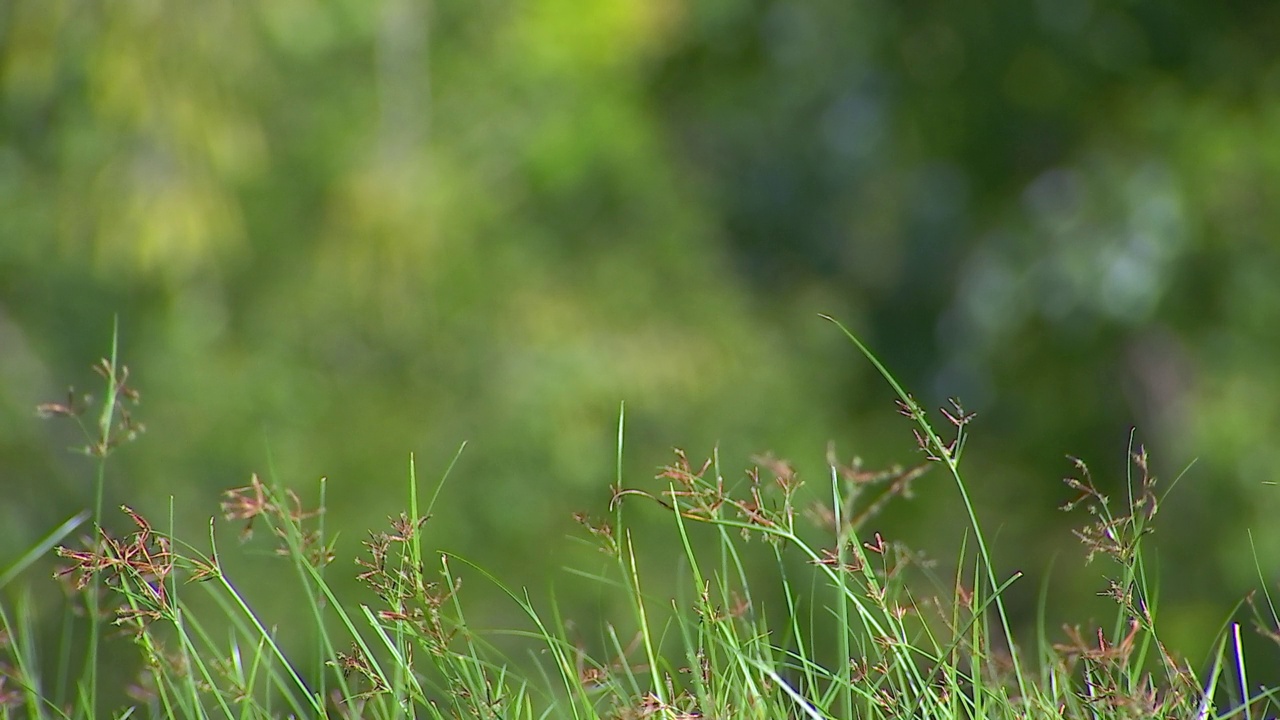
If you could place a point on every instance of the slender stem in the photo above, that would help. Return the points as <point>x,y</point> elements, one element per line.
<point>89,680</point>
<point>951,459</point>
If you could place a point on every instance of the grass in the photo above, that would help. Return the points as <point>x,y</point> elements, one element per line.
<point>856,637</point>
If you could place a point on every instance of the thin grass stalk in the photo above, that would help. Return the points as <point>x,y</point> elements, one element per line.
<point>952,462</point>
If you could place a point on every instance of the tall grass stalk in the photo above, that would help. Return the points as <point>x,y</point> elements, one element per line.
<point>949,454</point>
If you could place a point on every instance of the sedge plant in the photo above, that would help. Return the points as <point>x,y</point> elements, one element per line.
<point>866,627</point>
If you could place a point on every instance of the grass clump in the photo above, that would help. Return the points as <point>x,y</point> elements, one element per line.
<point>866,627</point>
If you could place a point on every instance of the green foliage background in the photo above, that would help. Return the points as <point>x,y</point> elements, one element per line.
<point>337,232</point>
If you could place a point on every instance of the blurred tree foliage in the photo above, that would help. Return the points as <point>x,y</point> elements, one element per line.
<point>340,231</point>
